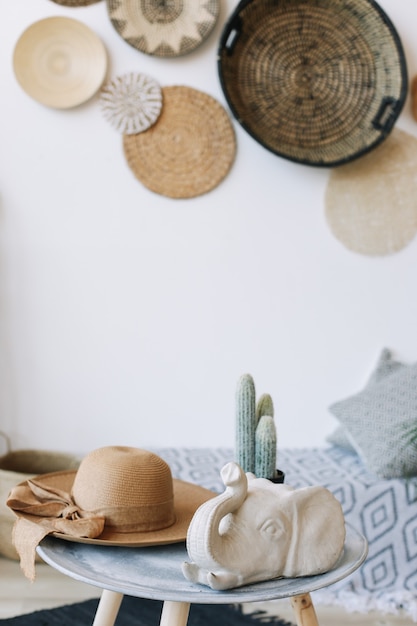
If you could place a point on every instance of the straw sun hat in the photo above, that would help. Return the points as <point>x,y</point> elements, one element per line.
<point>119,496</point>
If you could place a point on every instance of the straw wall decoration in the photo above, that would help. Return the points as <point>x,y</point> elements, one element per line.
<point>319,82</point>
<point>164,29</point>
<point>371,204</point>
<point>189,150</point>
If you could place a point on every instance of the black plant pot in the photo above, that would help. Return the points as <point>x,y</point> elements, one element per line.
<point>278,478</point>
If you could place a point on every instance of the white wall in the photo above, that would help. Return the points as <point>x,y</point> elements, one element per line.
<point>127,317</point>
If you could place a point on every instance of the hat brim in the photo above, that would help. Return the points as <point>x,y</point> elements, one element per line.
<point>187,498</point>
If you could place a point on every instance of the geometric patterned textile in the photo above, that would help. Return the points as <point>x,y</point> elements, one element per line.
<point>384,511</point>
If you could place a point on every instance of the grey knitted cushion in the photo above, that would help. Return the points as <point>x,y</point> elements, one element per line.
<point>385,366</point>
<point>380,421</point>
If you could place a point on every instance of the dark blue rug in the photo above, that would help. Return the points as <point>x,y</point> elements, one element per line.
<point>139,612</point>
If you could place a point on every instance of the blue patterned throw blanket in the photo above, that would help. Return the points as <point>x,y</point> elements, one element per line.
<point>384,511</point>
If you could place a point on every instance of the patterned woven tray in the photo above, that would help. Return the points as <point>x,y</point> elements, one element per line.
<point>164,29</point>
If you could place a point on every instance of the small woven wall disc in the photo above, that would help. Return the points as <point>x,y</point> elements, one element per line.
<point>371,204</point>
<point>164,29</point>
<point>75,3</point>
<point>319,82</point>
<point>131,102</point>
<point>189,150</point>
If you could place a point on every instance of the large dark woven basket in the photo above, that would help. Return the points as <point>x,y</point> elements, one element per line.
<point>319,82</point>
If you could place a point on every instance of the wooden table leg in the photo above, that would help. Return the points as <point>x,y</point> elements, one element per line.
<point>174,613</point>
<point>108,608</point>
<point>304,610</point>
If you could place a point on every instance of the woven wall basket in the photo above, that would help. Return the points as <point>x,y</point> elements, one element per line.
<point>319,82</point>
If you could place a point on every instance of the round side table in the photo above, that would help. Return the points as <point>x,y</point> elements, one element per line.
<point>155,573</point>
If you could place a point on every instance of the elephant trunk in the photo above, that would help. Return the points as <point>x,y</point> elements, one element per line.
<point>204,537</point>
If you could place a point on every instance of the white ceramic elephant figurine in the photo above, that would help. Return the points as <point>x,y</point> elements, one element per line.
<point>257,530</point>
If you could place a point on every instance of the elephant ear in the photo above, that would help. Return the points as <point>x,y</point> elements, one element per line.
<point>318,532</point>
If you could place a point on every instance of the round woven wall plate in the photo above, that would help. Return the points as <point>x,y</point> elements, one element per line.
<point>60,62</point>
<point>131,102</point>
<point>164,29</point>
<point>319,82</point>
<point>371,204</point>
<point>189,150</point>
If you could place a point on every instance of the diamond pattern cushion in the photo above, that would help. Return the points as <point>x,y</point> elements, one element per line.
<point>379,421</point>
<point>385,365</point>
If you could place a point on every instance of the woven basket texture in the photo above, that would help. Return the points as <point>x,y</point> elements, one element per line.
<point>189,150</point>
<point>164,29</point>
<point>319,82</point>
<point>131,102</point>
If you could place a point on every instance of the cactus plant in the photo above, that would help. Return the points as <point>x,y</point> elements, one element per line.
<point>256,437</point>
<point>245,423</point>
<point>265,406</point>
<point>265,448</point>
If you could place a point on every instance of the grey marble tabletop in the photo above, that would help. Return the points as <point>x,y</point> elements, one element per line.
<point>155,572</point>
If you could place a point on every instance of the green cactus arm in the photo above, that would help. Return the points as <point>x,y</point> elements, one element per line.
<point>265,406</point>
<point>245,423</point>
<point>265,448</point>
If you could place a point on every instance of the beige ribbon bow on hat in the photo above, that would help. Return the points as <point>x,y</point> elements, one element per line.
<point>54,511</point>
